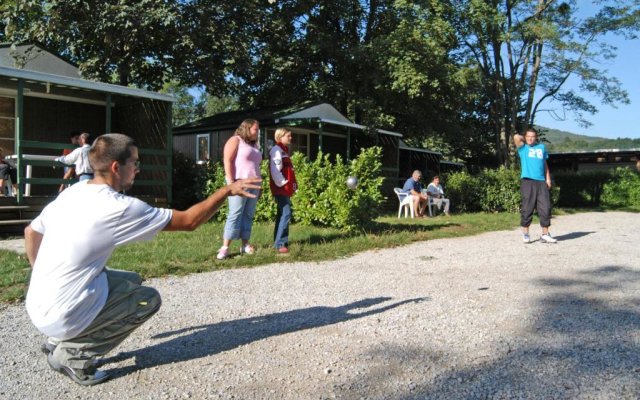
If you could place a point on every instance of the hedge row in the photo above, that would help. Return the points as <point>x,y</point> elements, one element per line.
<point>498,190</point>
<point>323,197</point>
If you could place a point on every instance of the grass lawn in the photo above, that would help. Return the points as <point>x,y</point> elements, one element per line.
<point>179,253</point>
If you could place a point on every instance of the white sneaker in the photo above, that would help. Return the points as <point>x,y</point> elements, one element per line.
<point>546,238</point>
<point>247,249</point>
<point>223,253</point>
<point>526,238</point>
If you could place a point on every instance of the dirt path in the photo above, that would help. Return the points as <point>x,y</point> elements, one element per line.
<point>476,317</point>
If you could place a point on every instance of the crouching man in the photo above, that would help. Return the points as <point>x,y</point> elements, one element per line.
<point>83,307</point>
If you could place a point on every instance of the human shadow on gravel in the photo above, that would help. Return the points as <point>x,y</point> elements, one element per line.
<point>581,342</point>
<point>572,235</point>
<point>205,340</point>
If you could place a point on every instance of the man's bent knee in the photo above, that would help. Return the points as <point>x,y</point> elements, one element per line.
<point>149,302</point>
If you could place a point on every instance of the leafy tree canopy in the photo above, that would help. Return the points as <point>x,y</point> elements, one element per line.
<point>458,75</point>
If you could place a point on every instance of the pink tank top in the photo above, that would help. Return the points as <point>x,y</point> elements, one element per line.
<point>247,161</point>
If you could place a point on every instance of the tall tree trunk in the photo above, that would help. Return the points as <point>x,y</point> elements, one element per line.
<point>499,96</point>
<point>535,69</point>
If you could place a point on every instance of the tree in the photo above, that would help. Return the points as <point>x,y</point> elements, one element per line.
<point>308,50</point>
<point>526,50</point>
<point>187,107</point>
<point>116,41</point>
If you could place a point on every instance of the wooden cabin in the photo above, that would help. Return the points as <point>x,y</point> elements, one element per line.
<point>38,110</point>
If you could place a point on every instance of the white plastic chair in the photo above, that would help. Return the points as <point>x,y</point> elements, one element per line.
<point>430,202</point>
<point>406,203</point>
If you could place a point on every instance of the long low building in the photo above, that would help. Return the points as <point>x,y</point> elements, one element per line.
<point>316,127</point>
<point>595,160</point>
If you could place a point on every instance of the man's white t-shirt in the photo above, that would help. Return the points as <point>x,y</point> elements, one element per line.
<point>81,229</point>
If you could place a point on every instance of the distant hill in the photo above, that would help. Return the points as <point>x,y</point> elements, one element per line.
<point>558,141</point>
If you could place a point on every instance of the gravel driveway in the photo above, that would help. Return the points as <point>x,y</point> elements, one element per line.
<point>467,318</point>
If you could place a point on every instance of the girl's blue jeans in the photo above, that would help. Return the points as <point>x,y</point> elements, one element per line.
<point>240,217</point>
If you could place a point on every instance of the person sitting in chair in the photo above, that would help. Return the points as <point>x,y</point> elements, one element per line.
<point>437,195</point>
<point>7,172</point>
<point>413,187</point>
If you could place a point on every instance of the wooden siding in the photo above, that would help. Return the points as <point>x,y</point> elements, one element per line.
<point>146,121</point>
<point>48,120</point>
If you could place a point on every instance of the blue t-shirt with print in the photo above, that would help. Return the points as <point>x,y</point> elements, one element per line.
<point>532,161</point>
<point>411,184</point>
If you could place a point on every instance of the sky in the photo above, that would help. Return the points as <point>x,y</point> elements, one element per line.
<point>609,122</point>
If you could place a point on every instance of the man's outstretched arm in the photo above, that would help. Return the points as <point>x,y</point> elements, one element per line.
<point>200,213</point>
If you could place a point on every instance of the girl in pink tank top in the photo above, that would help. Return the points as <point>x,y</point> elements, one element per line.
<point>247,162</point>
<point>241,160</point>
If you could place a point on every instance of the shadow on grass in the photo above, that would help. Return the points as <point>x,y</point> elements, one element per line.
<point>377,228</point>
<point>206,340</point>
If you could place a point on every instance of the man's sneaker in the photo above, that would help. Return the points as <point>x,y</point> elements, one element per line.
<point>526,238</point>
<point>546,238</point>
<point>223,253</point>
<point>247,249</point>
<point>48,346</point>
<point>85,377</point>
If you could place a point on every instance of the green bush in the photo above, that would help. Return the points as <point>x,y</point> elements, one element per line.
<point>490,191</point>
<point>322,197</point>
<point>622,189</point>
<point>462,189</point>
<point>499,190</point>
<point>212,179</point>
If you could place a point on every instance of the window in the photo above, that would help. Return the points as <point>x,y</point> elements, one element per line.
<point>203,149</point>
<point>299,142</point>
<point>7,124</point>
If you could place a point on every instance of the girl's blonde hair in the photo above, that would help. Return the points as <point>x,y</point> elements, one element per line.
<point>244,130</point>
<point>280,132</point>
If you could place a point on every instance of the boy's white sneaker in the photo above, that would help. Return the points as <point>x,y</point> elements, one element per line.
<point>526,238</point>
<point>547,238</point>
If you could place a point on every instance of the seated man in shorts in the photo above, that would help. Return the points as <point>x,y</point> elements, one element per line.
<point>413,187</point>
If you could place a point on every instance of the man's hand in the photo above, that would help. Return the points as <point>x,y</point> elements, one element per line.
<point>240,187</point>
<point>200,213</point>
<point>518,140</point>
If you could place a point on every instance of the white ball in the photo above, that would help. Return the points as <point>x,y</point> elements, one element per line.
<point>352,182</point>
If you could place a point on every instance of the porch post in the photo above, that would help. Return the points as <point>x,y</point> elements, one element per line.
<point>169,123</point>
<point>348,143</point>
<point>319,136</point>
<point>19,136</point>
<point>107,126</point>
